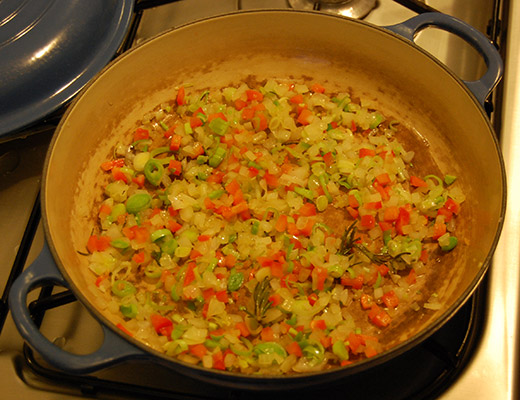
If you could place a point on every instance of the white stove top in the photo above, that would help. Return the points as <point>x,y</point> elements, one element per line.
<point>492,372</point>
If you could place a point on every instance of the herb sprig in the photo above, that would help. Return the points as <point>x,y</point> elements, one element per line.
<point>349,243</point>
<point>261,302</point>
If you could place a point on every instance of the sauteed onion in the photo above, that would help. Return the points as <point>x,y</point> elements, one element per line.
<point>273,228</point>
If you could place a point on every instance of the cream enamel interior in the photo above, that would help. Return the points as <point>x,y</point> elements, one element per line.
<point>403,81</point>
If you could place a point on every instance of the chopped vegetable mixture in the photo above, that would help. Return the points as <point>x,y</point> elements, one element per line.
<point>270,229</point>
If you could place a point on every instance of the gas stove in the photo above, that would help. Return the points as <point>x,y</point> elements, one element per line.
<point>473,356</point>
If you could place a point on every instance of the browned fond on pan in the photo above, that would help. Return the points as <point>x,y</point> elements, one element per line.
<point>401,81</point>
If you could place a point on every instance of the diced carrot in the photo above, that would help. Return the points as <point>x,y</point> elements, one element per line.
<point>411,278</point>
<point>319,275</point>
<point>141,234</point>
<point>447,214</point>
<point>275,299</point>
<point>190,274</point>
<point>366,301</point>
<point>258,107</point>
<point>276,269</point>
<point>309,225</point>
<point>260,122</point>
<point>383,269</point>
<point>385,225</point>
<point>267,334</point>
<point>253,172</point>
<point>220,115</point>
<point>207,294</point>
<point>281,223</point>
<point>140,134</point>
<point>294,348</point>
<point>230,260</point>
<point>317,88</point>
<point>108,165</point>
<point>373,205</point>
<point>353,212</point>
<point>139,258</point>
<point>318,324</point>
<point>328,159</point>
<point>173,225</point>
<point>390,299</point>
<point>198,350</point>
<point>312,298</point>
<point>198,150</point>
<point>222,296</point>
<point>391,213</point>
<point>383,179</point>
<point>368,221</point>
<point>175,142</point>
<point>100,279</point>
<point>417,182</point>
<point>353,201</point>
<point>379,317</point>
<point>181,94</point>
<point>355,341</point>
<point>402,220</point>
<point>139,180</point>
<point>232,186</point>
<point>209,204</point>
<point>296,99</point>
<point>355,283</point>
<point>162,325</point>
<point>129,232</point>
<point>308,209</point>
<point>215,177</point>
<point>105,209</point>
<point>175,167</point>
<point>239,208</point>
<point>326,341</point>
<point>242,327</point>
<point>254,95</point>
<point>292,229</point>
<point>194,254</point>
<point>195,122</point>
<point>439,229</point>
<point>119,175</point>
<point>424,256</point>
<point>248,113</point>
<point>240,104</point>
<point>305,117</point>
<point>364,152</point>
<point>203,238</point>
<point>218,361</point>
<point>452,205</point>
<point>370,351</point>
<point>271,180</point>
<point>98,243</point>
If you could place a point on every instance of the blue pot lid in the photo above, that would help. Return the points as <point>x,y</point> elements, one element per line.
<point>49,49</point>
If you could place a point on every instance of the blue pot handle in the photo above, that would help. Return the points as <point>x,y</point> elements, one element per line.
<point>43,270</point>
<point>495,68</point>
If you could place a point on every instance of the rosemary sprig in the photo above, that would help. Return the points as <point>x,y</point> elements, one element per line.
<point>348,244</point>
<point>261,302</point>
<point>261,298</point>
<point>348,239</point>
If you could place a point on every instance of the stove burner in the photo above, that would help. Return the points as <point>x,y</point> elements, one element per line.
<point>347,8</point>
